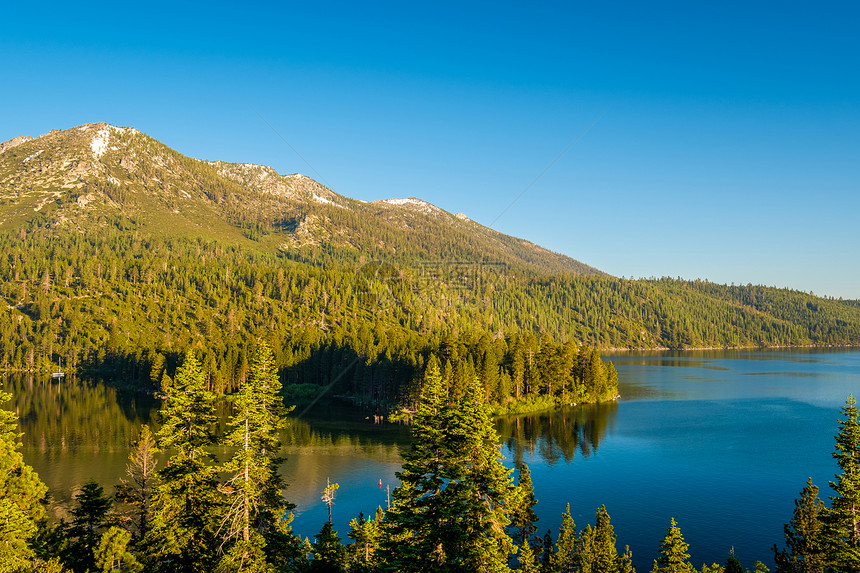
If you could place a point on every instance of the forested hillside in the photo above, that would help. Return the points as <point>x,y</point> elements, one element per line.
<point>117,254</point>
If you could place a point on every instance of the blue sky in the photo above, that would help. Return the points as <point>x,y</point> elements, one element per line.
<point>709,141</point>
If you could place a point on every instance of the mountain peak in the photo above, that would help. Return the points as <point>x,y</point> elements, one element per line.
<point>14,142</point>
<point>87,176</point>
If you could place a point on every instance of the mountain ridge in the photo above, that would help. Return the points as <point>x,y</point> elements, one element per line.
<point>100,168</point>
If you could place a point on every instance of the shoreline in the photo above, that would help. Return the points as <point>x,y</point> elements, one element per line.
<point>620,350</point>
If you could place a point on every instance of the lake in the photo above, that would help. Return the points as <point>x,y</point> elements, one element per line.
<point>723,441</point>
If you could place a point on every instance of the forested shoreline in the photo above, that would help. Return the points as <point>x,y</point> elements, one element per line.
<point>125,306</point>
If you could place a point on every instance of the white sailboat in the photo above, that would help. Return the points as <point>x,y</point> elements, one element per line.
<point>59,374</point>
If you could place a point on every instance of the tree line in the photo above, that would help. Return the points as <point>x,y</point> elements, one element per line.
<point>124,303</point>
<point>457,507</point>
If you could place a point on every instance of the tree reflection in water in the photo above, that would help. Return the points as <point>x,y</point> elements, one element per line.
<point>557,434</point>
<point>71,414</point>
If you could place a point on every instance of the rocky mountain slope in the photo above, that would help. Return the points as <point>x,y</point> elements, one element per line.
<point>90,176</point>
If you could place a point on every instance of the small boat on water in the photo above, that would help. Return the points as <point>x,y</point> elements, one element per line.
<point>59,374</point>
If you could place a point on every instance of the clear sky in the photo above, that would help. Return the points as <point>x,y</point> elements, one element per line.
<point>716,140</point>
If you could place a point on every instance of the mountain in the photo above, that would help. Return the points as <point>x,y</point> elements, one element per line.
<point>118,254</point>
<point>87,176</point>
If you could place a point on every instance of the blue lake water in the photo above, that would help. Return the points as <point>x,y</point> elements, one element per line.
<point>723,441</point>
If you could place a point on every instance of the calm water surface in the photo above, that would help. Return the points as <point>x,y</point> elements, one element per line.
<point>723,441</point>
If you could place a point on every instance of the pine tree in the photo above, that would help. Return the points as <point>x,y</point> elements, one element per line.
<point>254,486</point>
<point>185,506</point>
<point>805,551</point>
<point>526,558</point>
<point>365,534</point>
<point>625,561</point>
<point>90,515</point>
<point>450,511</point>
<point>16,529</point>
<point>673,552</point>
<point>596,547</point>
<point>112,553</point>
<point>547,551</point>
<point>733,564</point>
<point>522,514</point>
<point>565,557</point>
<point>329,554</point>
<point>21,495</point>
<point>842,519</point>
<point>487,487</point>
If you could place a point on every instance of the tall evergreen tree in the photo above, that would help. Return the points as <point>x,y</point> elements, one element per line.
<point>450,511</point>
<point>90,516</point>
<point>523,517</point>
<point>526,558</point>
<point>257,505</point>
<point>185,505</point>
<point>733,564</point>
<point>565,557</point>
<point>805,551</point>
<point>329,554</point>
<point>112,554</point>
<point>842,519</point>
<point>547,551</point>
<point>596,546</point>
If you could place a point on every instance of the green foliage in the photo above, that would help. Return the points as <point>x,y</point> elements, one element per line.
<point>90,517</point>
<point>245,555</point>
<point>112,553</point>
<point>365,534</point>
<point>673,553</point>
<point>591,550</point>
<point>526,558</point>
<point>546,550</point>
<point>254,484</point>
<point>449,512</point>
<point>842,519</point>
<point>733,564</point>
<point>329,554</point>
<point>136,489</point>
<point>185,504</point>
<point>128,304</point>
<point>21,496</point>
<point>522,514</point>
<point>16,528</point>
<point>596,547</point>
<point>565,558</point>
<point>805,544</point>
<point>187,413</point>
